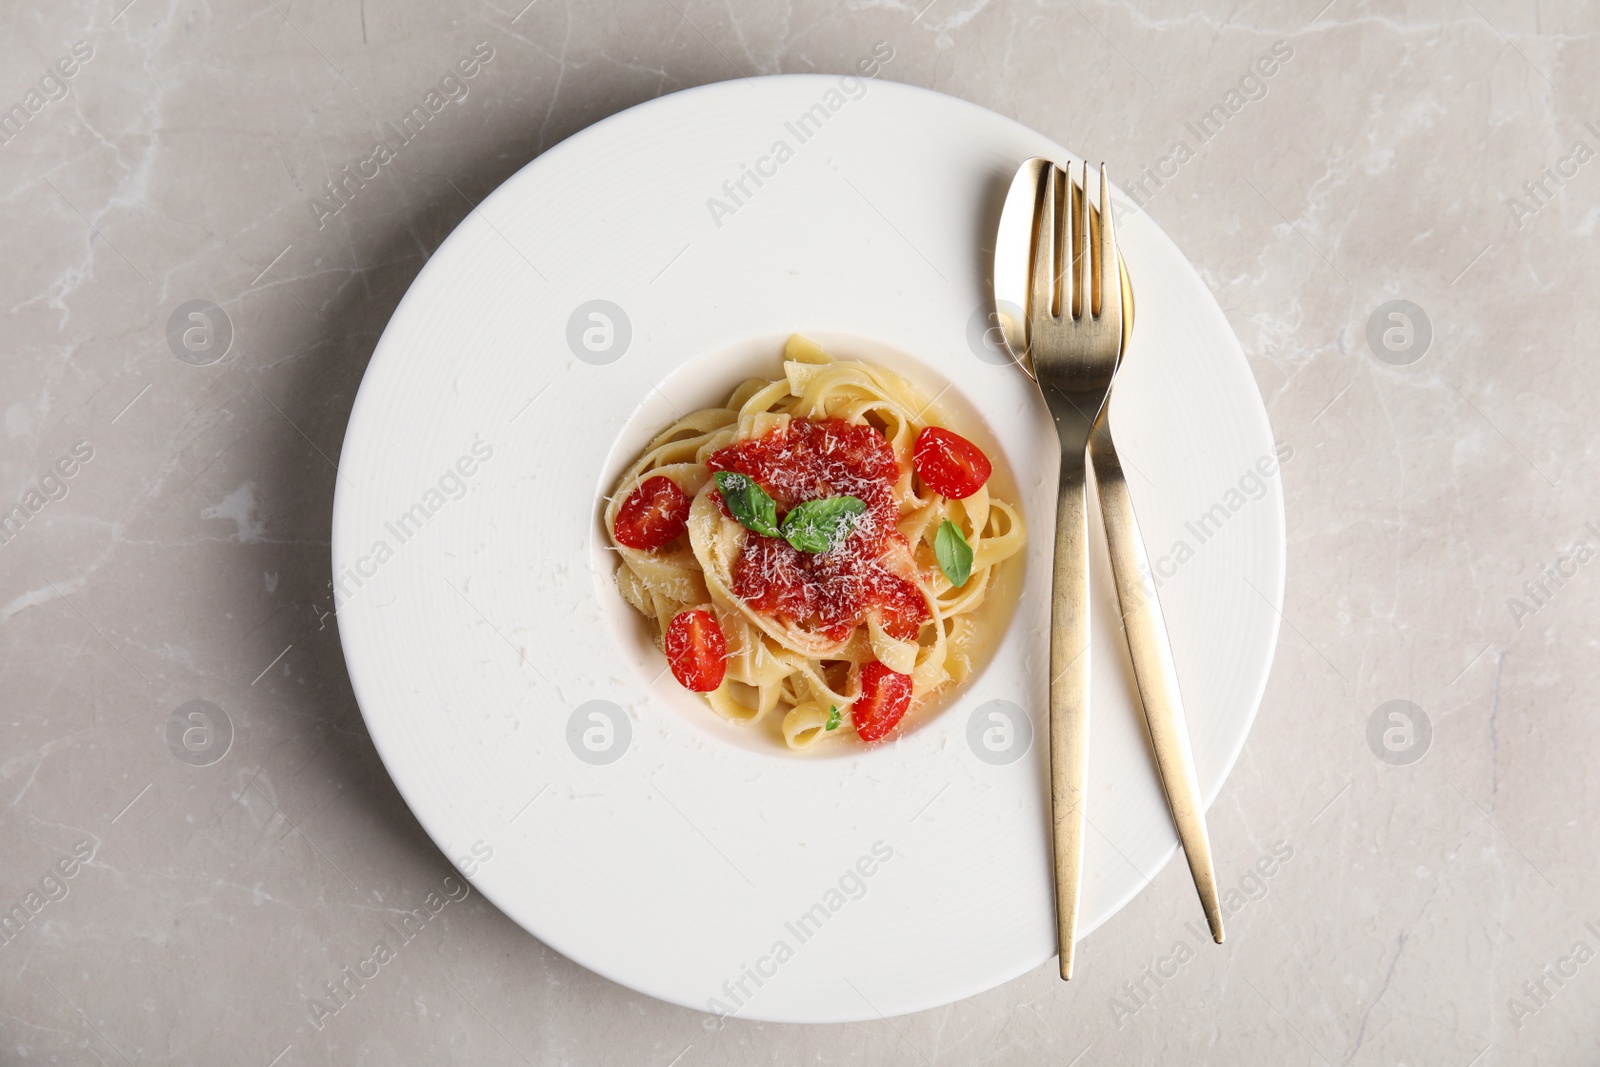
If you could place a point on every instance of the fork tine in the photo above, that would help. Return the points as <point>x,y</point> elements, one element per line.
<point>1082,264</point>
<point>1068,257</point>
<point>1041,281</point>
<point>1069,246</point>
<point>1096,259</point>
<point>1108,282</point>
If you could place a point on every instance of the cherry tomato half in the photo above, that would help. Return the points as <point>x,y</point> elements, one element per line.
<point>653,514</point>
<point>949,464</point>
<point>885,696</point>
<point>697,650</point>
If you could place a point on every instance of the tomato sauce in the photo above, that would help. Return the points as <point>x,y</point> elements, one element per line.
<point>829,592</point>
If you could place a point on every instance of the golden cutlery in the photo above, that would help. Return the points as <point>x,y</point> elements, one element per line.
<point>1074,322</point>
<point>1017,255</point>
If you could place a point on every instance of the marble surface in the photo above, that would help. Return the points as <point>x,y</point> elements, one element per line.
<point>183,895</point>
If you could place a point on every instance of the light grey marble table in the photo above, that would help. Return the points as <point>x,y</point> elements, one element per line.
<point>185,902</point>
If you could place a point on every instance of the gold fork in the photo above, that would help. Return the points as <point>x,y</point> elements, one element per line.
<point>1075,340</point>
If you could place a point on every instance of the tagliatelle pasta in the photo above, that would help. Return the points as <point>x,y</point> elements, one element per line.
<point>794,557</point>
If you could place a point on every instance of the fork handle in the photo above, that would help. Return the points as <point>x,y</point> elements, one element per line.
<point>1153,668</point>
<point>1069,693</point>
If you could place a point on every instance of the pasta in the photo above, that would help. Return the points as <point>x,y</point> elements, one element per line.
<point>848,613</point>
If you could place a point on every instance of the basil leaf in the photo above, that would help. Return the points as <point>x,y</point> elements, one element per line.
<point>833,717</point>
<point>750,504</point>
<point>821,525</point>
<point>955,555</point>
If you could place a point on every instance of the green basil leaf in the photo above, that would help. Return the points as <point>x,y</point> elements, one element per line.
<point>750,504</point>
<point>955,555</point>
<point>833,717</point>
<point>821,525</point>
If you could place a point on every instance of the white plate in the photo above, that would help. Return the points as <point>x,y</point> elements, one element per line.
<point>679,867</point>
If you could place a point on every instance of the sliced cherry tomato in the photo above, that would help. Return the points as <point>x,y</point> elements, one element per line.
<point>653,514</point>
<point>697,650</point>
<point>949,464</point>
<point>884,698</point>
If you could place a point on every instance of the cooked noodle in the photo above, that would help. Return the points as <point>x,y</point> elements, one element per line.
<point>777,666</point>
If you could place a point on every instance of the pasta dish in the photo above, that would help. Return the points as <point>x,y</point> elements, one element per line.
<point>816,549</point>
